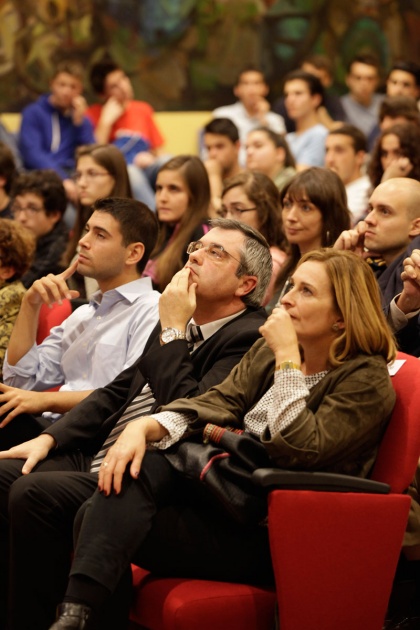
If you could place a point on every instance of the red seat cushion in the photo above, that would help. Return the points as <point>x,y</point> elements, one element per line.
<point>178,603</point>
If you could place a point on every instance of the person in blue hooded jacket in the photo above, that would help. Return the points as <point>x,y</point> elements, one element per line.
<point>55,125</point>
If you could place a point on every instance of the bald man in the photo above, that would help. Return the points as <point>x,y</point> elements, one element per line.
<point>392,231</point>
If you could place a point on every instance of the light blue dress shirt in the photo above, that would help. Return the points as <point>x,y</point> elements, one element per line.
<point>93,345</point>
<point>308,147</point>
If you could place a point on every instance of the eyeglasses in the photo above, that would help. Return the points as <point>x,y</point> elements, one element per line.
<point>89,175</point>
<point>235,212</point>
<point>31,208</point>
<point>213,251</point>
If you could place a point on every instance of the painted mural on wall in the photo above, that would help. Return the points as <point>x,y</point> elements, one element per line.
<point>185,54</point>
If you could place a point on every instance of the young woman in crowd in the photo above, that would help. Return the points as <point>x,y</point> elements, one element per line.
<point>396,154</point>
<point>254,199</point>
<point>314,213</point>
<point>269,153</point>
<point>17,248</point>
<point>182,206</point>
<point>101,171</point>
<point>294,391</point>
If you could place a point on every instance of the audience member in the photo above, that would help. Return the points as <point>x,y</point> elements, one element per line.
<point>8,172</point>
<point>393,110</point>
<point>397,109</point>
<point>222,144</point>
<point>182,204</point>
<point>55,125</point>
<point>361,103</point>
<point>98,339</point>
<point>101,171</point>
<point>404,80</point>
<point>252,198</point>
<point>222,296</point>
<point>331,111</point>
<point>391,231</point>
<point>17,247</point>
<point>303,95</point>
<point>345,154</point>
<point>39,203</point>
<point>268,152</point>
<point>396,154</point>
<point>127,123</point>
<point>252,108</point>
<point>314,215</point>
<point>293,392</point>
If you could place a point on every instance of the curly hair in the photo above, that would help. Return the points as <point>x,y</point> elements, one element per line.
<point>17,247</point>
<point>409,137</point>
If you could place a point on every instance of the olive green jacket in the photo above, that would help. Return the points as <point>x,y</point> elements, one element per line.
<point>339,430</point>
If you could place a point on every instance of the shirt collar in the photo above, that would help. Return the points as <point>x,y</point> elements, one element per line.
<point>210,328</point>
<point>130,290</point>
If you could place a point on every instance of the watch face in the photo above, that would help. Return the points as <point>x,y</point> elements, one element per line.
<point>168,335</point>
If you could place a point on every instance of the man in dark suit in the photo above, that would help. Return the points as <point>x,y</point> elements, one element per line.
<point>221,286</point>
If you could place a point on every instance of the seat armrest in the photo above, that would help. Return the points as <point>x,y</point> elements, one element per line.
<point>276,478</point>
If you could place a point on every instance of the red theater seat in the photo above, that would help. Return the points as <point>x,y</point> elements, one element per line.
<point>335,543</point>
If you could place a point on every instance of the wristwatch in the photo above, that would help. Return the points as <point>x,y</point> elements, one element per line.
<point>170,334</point>
<point>288,365</point>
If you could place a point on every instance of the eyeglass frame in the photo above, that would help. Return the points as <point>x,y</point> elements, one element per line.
<point>31,209</point>
<point>89,175</point>
<point>237,211</point>
<point>219,248</point>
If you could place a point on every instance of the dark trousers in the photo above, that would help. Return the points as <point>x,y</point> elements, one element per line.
<point>166,525</point>
<point>36,523</point>
<point>158,521</point>
<point>21,429</point>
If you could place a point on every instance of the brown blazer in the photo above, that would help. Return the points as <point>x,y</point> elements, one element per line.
<point>339,430</point>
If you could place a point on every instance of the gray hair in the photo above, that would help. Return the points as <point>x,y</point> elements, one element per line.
<point>255,259</point>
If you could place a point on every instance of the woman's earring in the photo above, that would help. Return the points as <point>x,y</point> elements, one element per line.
<point>335,327</point>
<point>327,237</point>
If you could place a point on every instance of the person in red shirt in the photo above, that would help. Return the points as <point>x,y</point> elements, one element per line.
<point>129,124</point>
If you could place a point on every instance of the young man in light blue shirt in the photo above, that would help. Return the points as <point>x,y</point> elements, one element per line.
<point>99,339</point>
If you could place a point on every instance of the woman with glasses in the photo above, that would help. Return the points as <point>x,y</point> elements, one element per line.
<point>101,171</point>
<point>254,199</point>
<point>314,213</point>
<point>295,392</point>
<point>39,204</point>
<point>269,153</point>
<point>182,206</point>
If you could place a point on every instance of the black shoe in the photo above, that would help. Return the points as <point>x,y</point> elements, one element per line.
<point>403,623</point>
<point>73,617</point>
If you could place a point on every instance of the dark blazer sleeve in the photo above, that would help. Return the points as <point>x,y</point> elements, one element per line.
<point>173,372</point>
<point>94,417</point>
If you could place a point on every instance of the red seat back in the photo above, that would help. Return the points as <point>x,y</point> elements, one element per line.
<point>51,316</point>
<point>400,448</point>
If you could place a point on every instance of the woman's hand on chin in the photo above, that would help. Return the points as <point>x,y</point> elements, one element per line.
<point>280,335</point>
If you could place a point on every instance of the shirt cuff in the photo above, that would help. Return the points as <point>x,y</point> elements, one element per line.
<point>24,368</point>
<point>396,318</point>
<point>175,423</point>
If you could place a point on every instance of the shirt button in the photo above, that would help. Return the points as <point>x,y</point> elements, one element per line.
<point>98,317</point>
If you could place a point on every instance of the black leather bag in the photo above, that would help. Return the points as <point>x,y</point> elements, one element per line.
<point>224,462</point>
